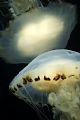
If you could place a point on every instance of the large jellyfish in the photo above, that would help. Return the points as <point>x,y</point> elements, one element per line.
<point>38,29</point>
<point>51,78</point>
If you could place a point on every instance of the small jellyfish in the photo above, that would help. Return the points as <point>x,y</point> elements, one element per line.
<point>51,78</point>
<point>38,30</point>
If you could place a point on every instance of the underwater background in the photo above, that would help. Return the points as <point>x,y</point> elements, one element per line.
<point>10,106</point>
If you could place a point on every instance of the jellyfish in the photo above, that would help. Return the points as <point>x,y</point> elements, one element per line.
<point>51,78</point>
<point>36,30</point>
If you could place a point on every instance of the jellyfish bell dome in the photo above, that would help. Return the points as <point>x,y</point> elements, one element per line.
<point>39,30</point>
<point>54,78</point>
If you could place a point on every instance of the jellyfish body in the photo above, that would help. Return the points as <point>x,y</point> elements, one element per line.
<point>54,78</point>
<point>37,31</point>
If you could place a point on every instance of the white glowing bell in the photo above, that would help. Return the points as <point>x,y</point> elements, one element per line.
<point>37,31</point>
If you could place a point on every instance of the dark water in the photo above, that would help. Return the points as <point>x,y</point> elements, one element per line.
<point>10,106</point>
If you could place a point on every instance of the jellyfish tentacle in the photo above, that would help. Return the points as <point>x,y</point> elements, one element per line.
<point>35,106</point>
<point>39,112</point>
<point>47,110</point>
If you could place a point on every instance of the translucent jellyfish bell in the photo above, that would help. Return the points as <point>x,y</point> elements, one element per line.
<point>37,31</point>
<point>54,78</point>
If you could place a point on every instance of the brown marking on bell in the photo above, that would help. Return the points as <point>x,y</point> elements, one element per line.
<point>19,86</point>
<point>47,78</point>
<point>12,90</point>
<point>24,81</point>
<point>29,79</point>
<point>37,79</point>
<point>71,75</point>
<point>57,77</point>
<point>63,76</point>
